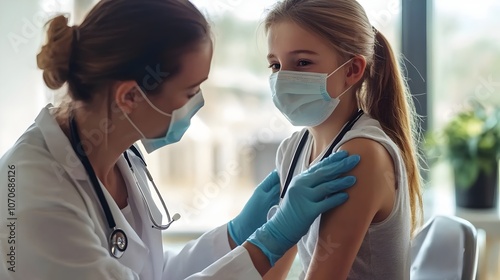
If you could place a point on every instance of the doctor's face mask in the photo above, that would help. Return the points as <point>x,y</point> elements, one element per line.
<point>180,120</point>
<point>302,97</point>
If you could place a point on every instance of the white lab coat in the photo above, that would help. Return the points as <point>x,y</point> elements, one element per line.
<point>57,229</point>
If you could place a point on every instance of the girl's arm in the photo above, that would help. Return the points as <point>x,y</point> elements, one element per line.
<point>371,199</point>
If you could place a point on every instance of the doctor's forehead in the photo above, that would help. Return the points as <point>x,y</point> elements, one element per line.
<point>288,38</point>
<point>195,66</point>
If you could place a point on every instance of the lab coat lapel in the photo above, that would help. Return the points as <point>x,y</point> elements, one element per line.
<point>144,185</point>
<point>62,151</point>
<point>136,252</point>
<point>150,235</point>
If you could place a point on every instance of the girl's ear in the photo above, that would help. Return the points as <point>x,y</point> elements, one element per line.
<point>356,70</point>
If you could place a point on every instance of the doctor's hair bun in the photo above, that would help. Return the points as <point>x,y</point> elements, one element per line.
<point>54,58</point>
<point>121,40</point>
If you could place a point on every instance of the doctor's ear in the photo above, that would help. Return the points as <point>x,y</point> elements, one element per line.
<point>356,70</point>
<point>127,95</point>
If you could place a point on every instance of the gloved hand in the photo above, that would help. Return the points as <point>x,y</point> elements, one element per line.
<point>254,214</point>
<point>311,193</point>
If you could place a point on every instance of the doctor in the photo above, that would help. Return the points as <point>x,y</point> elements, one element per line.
<point>75,197</point>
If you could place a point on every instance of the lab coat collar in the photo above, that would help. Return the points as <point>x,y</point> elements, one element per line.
<point>59,145</point>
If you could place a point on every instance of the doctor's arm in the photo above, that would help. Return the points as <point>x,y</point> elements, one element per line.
<point>54,236</point>
<point>343,229</point>
<point>254,215</point>
<point>310,194</point>
<point>213,245</point>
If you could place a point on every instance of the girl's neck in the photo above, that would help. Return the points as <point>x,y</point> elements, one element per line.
<point>324,133</point>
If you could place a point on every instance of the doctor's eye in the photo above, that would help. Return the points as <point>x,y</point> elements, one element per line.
<point>192,94</point>
<point>275,66</point>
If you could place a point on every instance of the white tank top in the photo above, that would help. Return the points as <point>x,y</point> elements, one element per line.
<point>384,253</point>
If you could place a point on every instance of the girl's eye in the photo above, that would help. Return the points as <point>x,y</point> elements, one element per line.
<point>303,63</point>
<point>275,66</point>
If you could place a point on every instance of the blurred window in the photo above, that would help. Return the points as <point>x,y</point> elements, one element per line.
<point>464,66</point>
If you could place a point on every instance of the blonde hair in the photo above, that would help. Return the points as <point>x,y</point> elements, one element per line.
<point>345,25</point>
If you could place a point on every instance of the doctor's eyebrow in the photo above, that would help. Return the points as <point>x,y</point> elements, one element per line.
<point>197,84</point>
<point>295,52</point>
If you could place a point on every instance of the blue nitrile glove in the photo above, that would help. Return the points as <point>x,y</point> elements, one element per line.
<point>311,193</point>
<point>254,214</point>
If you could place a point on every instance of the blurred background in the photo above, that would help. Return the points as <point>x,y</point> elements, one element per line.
<point>449,48</point>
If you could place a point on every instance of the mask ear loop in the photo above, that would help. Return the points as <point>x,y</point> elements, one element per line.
<point>340,67</point>
<point>132,123</point>
<point>151,104</point>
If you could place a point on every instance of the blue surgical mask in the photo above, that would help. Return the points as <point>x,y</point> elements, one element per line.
<point>180,120</point>
<point>302,96</point>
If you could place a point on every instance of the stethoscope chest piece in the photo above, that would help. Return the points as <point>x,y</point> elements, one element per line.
<point>118,243</point>
<point>272,211</point>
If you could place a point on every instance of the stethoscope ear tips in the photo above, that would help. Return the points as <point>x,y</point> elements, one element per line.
<point>176,217</point>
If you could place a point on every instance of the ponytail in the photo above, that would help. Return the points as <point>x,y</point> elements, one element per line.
<point>388,100</point>
<point>383,93</point>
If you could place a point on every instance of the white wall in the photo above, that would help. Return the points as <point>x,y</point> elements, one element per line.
<point>22,91</point>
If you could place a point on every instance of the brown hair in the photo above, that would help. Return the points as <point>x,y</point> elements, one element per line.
<point>383,93</point>
<point>120,40</point>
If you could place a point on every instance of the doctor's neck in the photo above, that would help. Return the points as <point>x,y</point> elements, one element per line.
<point>103,134</point>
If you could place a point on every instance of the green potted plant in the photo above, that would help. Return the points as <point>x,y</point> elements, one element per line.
<point>470,142</point>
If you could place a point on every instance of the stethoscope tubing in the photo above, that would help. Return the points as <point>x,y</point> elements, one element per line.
<point>80,153</point>
<point>150,213</point>
<point>118,241</point>
<point>300,148</point>
<point>302,144</point>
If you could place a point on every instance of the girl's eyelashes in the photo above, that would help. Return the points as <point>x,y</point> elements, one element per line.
<point>303,63</point>
<point>299,64</point>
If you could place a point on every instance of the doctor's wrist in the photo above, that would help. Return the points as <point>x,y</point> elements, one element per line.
<point>231,242</point>
<point>259,259</point>
<point>233,236</point>
<point>271,242</point>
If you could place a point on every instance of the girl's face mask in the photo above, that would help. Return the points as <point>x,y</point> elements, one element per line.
<point>302,96</point>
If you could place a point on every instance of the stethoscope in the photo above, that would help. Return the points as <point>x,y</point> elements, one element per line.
<point>298,151</point>
<point>118,240</point>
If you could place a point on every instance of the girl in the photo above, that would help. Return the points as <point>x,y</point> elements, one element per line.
<point>337,75</point>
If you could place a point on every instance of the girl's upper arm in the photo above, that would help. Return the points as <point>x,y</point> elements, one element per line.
<point>343,229</point>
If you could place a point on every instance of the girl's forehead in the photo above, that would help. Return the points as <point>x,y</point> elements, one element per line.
<point>290,38</point>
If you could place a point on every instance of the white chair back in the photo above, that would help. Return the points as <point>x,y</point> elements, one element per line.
<point>445,249</point>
